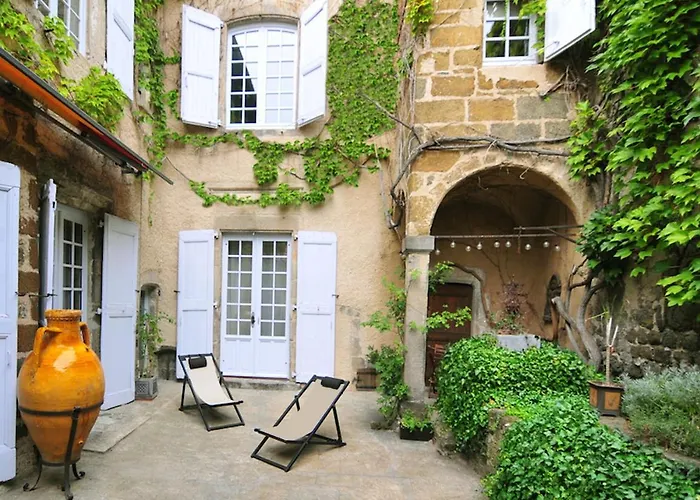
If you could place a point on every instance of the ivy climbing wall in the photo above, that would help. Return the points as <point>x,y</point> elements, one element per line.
<point>322,177</point>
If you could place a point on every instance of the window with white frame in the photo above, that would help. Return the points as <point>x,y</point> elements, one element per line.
<point>70,260</point>
<point>71,12</point>
<point>508,36</point>
<point>262,73</point>
<point>275,72</point>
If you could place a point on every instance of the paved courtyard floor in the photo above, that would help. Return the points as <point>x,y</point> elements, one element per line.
<point>150,450</point>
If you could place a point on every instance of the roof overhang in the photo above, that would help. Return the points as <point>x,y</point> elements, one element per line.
<point>85,128</point>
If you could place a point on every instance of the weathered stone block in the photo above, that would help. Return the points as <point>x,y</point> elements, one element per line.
<point>457,130</point>
<point>452,86</point>
<point>558,128</point>
<point>670,338</point>
<point>689,340</point>
<point>454,4</point>
<point>491,109</point>
<point>436,161</point>
<point>25,337</point>
<point>455,36</point>
<point>662,355</point>
<point>520,131</point>
<point>440,111</point>
<point>508,84</point>
<point>682,357</point>
<point>485,83</point>
<point>467,57</point>
<point>29,281</point>
<point>442,61</point>
<point>641,351</point>
<point>421,83</point>
<point>684,318</point>
<point>29,225</point>
<point>536,108</point>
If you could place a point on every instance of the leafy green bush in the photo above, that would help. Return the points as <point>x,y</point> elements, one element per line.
<point>388,360</point>
<point>477,374</point>
<point>665,409</point>
<point>410,421</point>
<point>562,451</point>
<point>100,95</point>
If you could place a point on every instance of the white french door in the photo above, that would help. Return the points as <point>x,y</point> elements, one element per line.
<point>255,305</point>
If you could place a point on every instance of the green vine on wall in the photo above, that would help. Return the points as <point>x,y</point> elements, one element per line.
<point>641,143</point>
<point>362,84</point>
<point>98,93</point>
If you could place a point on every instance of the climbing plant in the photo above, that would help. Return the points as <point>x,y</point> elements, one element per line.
<point>362,86</point>
<point>98,93</point>
<point>640,141</point>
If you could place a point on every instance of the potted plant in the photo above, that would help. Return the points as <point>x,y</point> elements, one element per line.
<point>149,337</point>
<point>607,396</point>
<point>414,428</point>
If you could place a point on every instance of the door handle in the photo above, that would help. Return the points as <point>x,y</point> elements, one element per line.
<point>252,319</point>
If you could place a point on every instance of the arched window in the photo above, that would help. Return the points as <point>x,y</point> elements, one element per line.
<point>261,89</point>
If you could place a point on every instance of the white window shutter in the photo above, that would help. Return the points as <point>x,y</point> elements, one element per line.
<point>317,257</point>
<point>195,294</point>
<point>567,22</point>
<point>120,43</point>
<point>120,266</point>
<point>47,244</point>
<point>9,244</point>
<point>313,54</point>
<point>199,91</point>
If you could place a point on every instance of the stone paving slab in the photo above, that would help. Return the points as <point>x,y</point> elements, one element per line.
<point>171,455</point>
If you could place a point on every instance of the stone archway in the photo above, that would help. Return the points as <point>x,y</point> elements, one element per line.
<point>486,194</point>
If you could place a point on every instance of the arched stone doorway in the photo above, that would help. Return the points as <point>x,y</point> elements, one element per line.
<point>507,228</point>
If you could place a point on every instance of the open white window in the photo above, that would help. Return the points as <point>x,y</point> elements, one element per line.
<point>275,72</point>
<point>508,37</point>
<point>73,15</point>
<point>566,23</point>
<point>262,73</point>
<point>71,260</point>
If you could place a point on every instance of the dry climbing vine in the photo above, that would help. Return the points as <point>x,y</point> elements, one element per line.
<point>361,71</point>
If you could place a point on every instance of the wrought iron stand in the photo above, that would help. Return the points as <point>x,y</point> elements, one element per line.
<point>67,464</point>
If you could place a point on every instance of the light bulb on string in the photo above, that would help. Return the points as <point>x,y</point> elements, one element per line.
<point>468,248</point>
<point>545,244</point>
<point>437,251</point>
<point>528,246</point>
<point>557,248</point>
<point>479,246</point>
<point>496,244</point>
<point>508,244</point>
<point>452,244</point>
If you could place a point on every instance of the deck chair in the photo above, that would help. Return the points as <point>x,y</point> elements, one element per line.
<point>204,378</point>
<point>300,426</point>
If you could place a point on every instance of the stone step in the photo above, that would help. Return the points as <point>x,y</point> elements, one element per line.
<point>261,384</point>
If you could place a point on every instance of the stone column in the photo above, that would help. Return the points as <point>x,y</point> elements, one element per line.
<point>417,250</point>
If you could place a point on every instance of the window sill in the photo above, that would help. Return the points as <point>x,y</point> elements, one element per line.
<point>508,62</point>
<point>265,129</point>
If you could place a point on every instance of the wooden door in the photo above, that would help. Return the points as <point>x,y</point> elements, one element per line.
<point>448,297</point>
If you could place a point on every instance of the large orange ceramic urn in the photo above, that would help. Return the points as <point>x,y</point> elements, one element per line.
<point>61,373</point>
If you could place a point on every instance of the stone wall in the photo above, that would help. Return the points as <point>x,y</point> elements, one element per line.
<point>652,335</point>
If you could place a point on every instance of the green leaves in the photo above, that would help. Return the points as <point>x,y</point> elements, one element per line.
<point>476,374</point>
<point>388,360</point>
<point>419,14</point>
<point>645,137</point>
<point>100,95</point>
<point>560,450</point>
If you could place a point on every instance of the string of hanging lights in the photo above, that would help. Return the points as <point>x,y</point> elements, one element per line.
<point>519,234</point>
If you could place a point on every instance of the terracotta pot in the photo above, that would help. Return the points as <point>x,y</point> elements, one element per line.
<point>607,398</point>
<point>61,373</point>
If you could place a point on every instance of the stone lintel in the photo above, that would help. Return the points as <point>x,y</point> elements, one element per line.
<point>418,244</point>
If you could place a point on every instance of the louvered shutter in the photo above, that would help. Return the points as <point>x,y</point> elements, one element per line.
<point>120,43</point>
<point>566,23</point>
<point>313,54</point>
<point>199,91</point>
